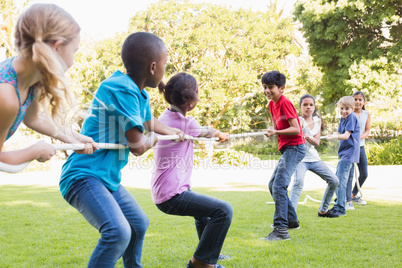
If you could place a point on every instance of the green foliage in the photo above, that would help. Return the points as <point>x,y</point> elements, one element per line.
<point>357,44</point>
<point>260,148</point>
<point>232,158</point>
<point>388,153</point>
<point>226,50</point>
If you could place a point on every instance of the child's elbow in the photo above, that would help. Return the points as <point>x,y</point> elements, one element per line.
<point>138,150</point>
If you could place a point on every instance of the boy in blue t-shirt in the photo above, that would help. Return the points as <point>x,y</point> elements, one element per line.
<point>118,114</point>
<point>348,151</point>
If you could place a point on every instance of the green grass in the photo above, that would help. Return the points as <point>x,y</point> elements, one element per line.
<point>39,229</point>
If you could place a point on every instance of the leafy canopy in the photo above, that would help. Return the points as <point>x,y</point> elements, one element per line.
<point>356,43</point>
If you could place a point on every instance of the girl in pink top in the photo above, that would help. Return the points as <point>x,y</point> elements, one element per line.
<point>174,164</point>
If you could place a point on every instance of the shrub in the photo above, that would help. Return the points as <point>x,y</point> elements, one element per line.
<point>261,148</point>
<point>388,153</point>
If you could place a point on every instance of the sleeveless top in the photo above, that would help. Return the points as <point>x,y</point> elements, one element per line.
<point>311,152</point>
<point>8,75</point>
<point>362,124</point>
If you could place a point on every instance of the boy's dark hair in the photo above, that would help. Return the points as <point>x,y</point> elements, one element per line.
<point>139,49</point>
<point>315,113</point>
<point>364,97</point>
<point>179,90</point>
<point>274,78</point>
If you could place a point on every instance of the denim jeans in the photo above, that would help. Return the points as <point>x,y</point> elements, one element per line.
<point>117,216</point>
<point>212,221</point>
<point>343,171</point>
<point>278,185</point>
<point>322,170</point>
<point>363,174</point>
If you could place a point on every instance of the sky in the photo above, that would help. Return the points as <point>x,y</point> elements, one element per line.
<point>100,18</point>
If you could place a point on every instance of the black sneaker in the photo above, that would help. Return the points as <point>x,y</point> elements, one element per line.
<point>332,210</point>
<point>279,233</point>
<point>294,225</point>
<point>329,214</point>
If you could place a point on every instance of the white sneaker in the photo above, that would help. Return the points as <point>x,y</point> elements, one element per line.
<point>349,206</point>
<point>359,201</point>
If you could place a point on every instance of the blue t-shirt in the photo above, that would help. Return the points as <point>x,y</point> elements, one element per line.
<point>349,150</point>
<point>118,106</point>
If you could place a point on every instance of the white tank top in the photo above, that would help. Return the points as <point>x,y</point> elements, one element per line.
<point>311,152</point>
<point>362,124</point>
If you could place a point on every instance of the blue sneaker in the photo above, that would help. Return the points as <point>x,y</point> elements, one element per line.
<point>223,257</point>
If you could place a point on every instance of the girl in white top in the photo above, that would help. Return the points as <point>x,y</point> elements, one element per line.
<point>364,123</point>
<point>311,125</point>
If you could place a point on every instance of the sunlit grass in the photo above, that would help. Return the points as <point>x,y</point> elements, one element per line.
<point>42,230</point>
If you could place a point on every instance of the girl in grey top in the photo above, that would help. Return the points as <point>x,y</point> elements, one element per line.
<point>364,123</point>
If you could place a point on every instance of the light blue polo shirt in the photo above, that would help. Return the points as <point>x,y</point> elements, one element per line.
<point>118,106</point>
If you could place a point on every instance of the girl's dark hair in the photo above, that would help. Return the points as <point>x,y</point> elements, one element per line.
<point>315,113</point>
<point>360,93</point>
<point>274,78</point>
<point>180,89</point>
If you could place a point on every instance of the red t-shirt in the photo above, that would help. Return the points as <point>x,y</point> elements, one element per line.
<point>281,112</point>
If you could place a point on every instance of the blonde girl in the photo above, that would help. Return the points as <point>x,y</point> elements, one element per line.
<point>33,88</point>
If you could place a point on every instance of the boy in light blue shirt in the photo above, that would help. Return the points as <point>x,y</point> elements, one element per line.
<point>119,113</point>
<point>348,151</point>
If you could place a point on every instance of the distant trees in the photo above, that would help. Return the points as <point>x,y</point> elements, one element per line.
<point>226,50</point>
<point>356,44</point>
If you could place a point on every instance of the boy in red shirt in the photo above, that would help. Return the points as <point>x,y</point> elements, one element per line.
<point>291,145</point>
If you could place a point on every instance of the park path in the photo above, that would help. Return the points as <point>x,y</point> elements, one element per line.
<point>383,183</point>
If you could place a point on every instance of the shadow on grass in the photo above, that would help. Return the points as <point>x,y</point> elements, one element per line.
<point>39,229</point>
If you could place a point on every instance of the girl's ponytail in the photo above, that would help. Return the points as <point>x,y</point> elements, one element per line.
<point>179,90</point>
<point>36,31</point>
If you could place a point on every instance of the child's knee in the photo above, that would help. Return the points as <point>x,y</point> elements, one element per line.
<point>228,209</point>
<point>117,235</point>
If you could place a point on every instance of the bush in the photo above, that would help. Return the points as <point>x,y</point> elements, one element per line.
<point>261,148</point>
<point>388,153</point>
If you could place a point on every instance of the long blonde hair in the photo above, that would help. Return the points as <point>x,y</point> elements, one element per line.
<point>37,29</point>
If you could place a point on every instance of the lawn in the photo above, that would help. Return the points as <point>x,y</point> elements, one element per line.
<point>39,229</point>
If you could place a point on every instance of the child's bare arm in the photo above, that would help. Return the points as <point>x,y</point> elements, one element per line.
<point>294,129</point>
<point>314,140</point>
<point>338,136</point>
<point>158,127</point>
<point>209,132</point>
<point>139,143</point>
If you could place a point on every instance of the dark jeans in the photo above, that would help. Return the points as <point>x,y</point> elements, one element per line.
<point>117,216</point>
<point>212,221</point>
<point>278,185</point>
<point>363,174</point>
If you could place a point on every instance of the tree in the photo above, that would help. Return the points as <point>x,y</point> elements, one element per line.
<point>7,17</point>
<point>226,50</point>
<point>346,37</point>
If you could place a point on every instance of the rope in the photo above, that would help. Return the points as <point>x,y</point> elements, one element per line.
<point>304,201</point>
<point>111,146</point>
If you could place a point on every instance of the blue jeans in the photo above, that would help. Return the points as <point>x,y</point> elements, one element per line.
<point>212,221</point>
<point>117,216</point>
<point>363,174</point>
<point>278,185</point>
<point>322,170</point>
<point>343,171</point>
